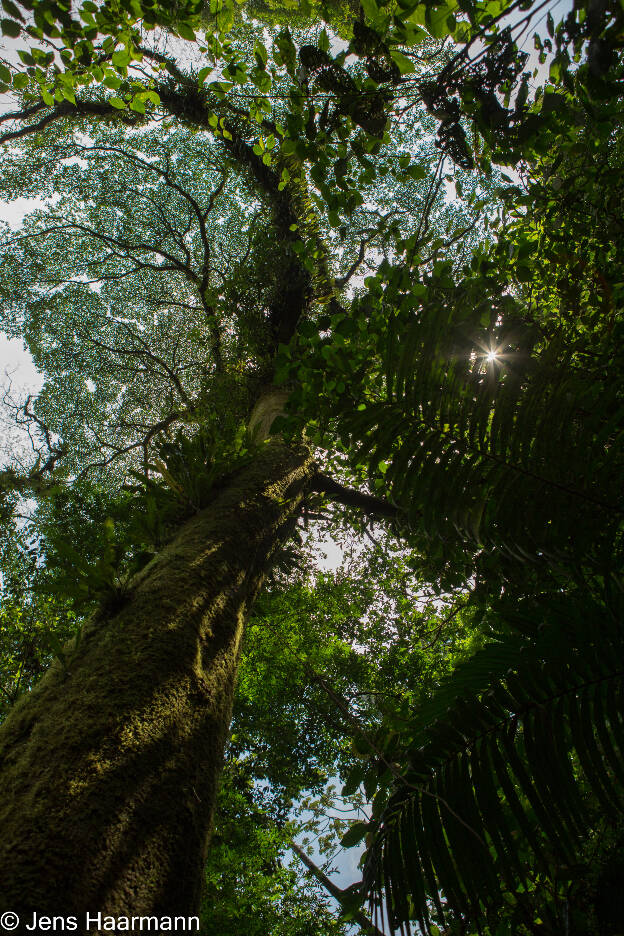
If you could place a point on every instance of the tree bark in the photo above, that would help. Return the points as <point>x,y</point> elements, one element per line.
<point>109,768</point>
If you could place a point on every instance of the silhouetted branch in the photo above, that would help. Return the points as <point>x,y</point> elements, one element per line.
<point>338,893</point>
<point>352,498</point>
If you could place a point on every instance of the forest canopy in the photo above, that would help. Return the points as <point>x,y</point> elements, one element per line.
<point>299,272</point>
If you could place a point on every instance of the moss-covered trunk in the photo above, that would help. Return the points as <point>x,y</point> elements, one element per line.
<point>109,769</point>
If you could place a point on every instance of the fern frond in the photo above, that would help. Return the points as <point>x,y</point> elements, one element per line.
<point>524,452</point>
<point>518,749</point>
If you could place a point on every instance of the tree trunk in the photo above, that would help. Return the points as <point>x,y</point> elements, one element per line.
<point>109,768</point>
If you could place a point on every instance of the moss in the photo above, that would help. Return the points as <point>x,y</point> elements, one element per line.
<point>109,769</point>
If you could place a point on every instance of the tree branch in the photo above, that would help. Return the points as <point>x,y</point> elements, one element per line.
<point>194,106</point>
<point>338,893</point>
<point>352,498</point>
<point>65,109</point>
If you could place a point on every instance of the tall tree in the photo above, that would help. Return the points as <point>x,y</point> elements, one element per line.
<point>190,307</point>
<point>177,274</point>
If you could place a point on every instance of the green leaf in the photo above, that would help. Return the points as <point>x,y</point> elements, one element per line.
<point>437,21</point>
<point>354,834</point>
<point>370,9</point>
<point>120,58</point>
<point>406,65</point>
<point>10,28</point>
<point>260,53</point>
<point>354,779</point>
<point>186,32</point>
<point>13,10</point>
<point>285,52</point>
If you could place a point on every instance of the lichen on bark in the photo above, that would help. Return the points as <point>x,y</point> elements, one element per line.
<point>109,768</point>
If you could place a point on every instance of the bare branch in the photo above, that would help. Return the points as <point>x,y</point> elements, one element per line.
<point>338,893</point>
<point>368,503</point>
<point>143,444</point>
<point>40,478</point>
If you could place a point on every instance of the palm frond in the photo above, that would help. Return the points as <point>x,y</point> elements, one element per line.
<point>507,766</point>
<point>520,447</point>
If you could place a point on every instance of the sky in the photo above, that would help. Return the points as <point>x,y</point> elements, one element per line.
<point>18,374</point>
<point>14,357</point>
<point>17,364</point>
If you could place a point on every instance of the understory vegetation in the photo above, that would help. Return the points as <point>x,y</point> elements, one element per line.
<point>338,277</point>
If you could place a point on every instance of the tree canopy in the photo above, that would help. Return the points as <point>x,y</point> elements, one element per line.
<point>383,239</point>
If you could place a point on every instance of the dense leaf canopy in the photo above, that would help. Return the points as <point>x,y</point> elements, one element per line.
<point>385,225</point>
